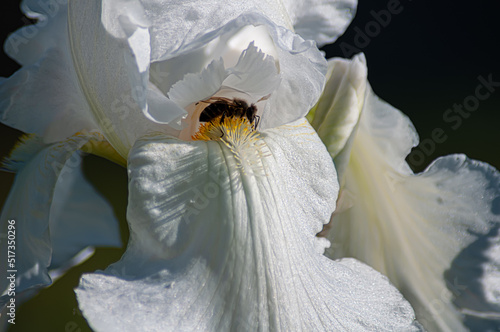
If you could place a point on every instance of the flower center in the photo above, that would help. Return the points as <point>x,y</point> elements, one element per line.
<point>239,135</point>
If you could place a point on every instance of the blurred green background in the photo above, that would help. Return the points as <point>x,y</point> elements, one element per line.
<point>423,62</point>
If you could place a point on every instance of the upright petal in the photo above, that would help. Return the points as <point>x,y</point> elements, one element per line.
<point>177,25</point>
<point>340,107</point>
<point>255,73</point>
<point>321,20</point>
<point>253,79</point>
<point>298,90</point>
<point>111,53</point>
<point>221,240</point>
<point>228,46</point>
<point>418,229</point>
<point>195,87</point>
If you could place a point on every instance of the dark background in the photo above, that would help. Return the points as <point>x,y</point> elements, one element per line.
<point>425,60</point>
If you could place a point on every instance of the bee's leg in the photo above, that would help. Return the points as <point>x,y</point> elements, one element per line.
<point>222,120</point>
<point>256,122</point>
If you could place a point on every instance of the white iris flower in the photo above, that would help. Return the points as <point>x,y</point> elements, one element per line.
<point>224,211</point>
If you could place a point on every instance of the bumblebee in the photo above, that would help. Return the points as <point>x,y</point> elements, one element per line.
<point>225,107</point>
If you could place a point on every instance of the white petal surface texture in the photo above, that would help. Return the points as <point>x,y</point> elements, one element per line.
<point>339,109</point>
<point>434,234</point>
<point>320,20</point>
<point>39,168</point>
<point>44,97</point>
<point>86,66</point>
<point>111,53</point>
<point>253,78</point>
<point>187,36</point>
<point>219,243</point>
<point>179,23</point>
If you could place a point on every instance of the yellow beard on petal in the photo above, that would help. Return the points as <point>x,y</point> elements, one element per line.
<point>30,144</point>
<point>238,134</point>
<point>99,146</point>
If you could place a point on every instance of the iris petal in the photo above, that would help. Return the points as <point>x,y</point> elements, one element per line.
<point>218,247</point>
<point>111,58</point>
<point>319,20</point>
<point>420,230</point>
<point>40,167</point>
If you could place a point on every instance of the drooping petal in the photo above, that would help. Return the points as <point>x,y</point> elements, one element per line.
<point>28,44</point>
<point>79,216</point>
<point>111,56</point>
<point>40,167</point>
<point>44,97</point>
<point>421,230</point>
<point>224,239</point>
